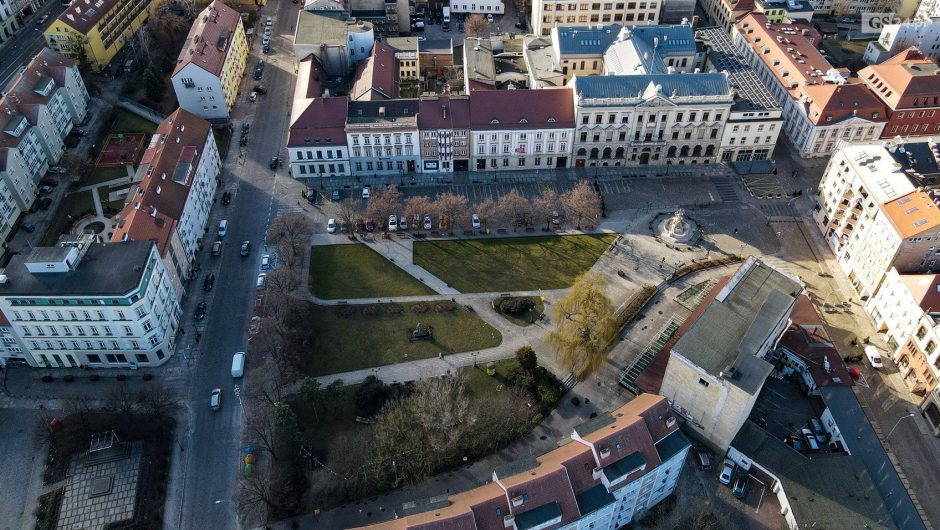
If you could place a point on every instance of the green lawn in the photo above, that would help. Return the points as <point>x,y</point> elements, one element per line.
<point>356,337</point>
<point>126,122</point>
<point>74,204</point>
<point>104,174</point>
<point>357,271</point>
<point>513,263</point>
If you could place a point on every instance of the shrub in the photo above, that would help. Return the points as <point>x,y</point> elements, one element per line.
<point>371,310</point>
<point>69,378</point>
<point>46,378</point>
<point>549,394</point>
<point>95,377</point>
<point>347,311</point>
<point>420,308</point>
<point>394,309</point>
<point>576,401</point>
<point>520,379</point>
<point>537,419</point>
<point>148,377</point>
<point>444,307</point>
<point>516,306</point>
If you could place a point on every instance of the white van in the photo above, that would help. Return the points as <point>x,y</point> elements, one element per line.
<point>223,227</point>
<point>238,364</point>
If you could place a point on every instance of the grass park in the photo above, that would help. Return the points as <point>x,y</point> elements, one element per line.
<point>353,337</point>
<point>511,264</point>
<point>357,271</point>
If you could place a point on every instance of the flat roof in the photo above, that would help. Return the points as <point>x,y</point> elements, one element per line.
<point>327,27</point>
<point>750,91</point>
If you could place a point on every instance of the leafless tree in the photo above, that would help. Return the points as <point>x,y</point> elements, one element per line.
<point>78,408</point>
<point>77,164</point>
<point>269,382</point>
<point>514,208</point>
<point>158,402</point>
<point>488,212</point>
<point>452,211</point>
<point>120,399</point>
<point>476,26</point>
<point>415,210</point>
<point>348,212</point>
<point>168,28</point>
<point>581,204</point>
<point>543,206</point>
<point>261,427</point>
<point>281,282</point>
<point>289,226</point>
<point>384,202</point>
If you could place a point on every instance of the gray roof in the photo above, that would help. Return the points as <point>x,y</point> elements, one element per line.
<point>834,492</point>
<point>579,40</point>
<point>540,57</point>
<point>395,110</point>
<point>402,44</point>
<point>47,254</point>
<point>107,269</point>
<point>863,443</point>
<point>750,91</point>
<point>727,335</point>
<point>594,424</point>
<point>673,87</point>
<point>435,46</point>
<point>326,27</point>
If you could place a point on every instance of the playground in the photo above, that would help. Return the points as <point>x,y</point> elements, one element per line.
<point>121,149</point>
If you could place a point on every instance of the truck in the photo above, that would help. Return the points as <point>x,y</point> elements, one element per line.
<point>446,19</point>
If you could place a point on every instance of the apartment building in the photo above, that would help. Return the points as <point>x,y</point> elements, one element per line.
<point>12,15</point>
<point>725,13</point>
<point>84,303</point>
<point>211,63</point>
<point>444,125</point>
<point>716,367</point>
<point>652,50</point>
<point>615,468</point>
<point>336,40</point>
<point>568,50</point>
<point>39,108</point>
<point>96,30</point>
<point>755,119</point>
<point>785,11</point>
<point>821,108</point>
<point>521,129</point>
<point>406,56</point>
<point>173,193</point>
<point>649,119</point>
<point>316,144</point>
<point>896,38</point>
<point>547,14</point>
<point>483,7</point>
<point>495,63</point>
<point>928,10</point>
<point>383,137</point>
<point>874,213</point>
<point>908,84</point>
<point>390,18</point>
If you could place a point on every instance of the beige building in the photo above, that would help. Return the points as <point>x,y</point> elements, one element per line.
<point>547,14</point>
<point>444,126</point>
<point>406,56</point>
<point>717,368</point>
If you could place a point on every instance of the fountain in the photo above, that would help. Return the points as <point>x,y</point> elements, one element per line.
<point>677,229</point>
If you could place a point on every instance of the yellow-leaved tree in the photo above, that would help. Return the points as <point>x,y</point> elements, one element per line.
<point>584,326</point>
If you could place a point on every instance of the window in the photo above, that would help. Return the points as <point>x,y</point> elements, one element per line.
<point>94,358</point>
<point>703,383</point>
<point>142,358</point>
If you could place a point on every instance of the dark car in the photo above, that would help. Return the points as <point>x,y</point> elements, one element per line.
<point>522,25</point>
<point>259,69</point>
<point>261,89</point>
<point>245,127</point>
<point>48,181</point>
<point>72,142</point>
<point>27,227</point>
<point>275,161</point>
<point>337,195</point>
<point>227,198</point>
<point>45,203</point>
<point>740,486</point>
<point>79,132</point>
<point>243,141</point>
<point>200,311</point>
<point>246,248</point>
<point>459,27</point>
<point>208,283</point>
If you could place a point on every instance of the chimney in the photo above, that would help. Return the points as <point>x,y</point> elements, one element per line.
<point>382,112</point>
<point>444,110</point>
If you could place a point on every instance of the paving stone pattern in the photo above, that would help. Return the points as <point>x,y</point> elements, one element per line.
<point>80,511</point>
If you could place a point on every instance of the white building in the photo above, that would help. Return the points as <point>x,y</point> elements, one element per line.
<point>928,10</point>
<point>91,304</point>
<point>616,467</point>
<point>39,108</point>
<point>316,142</point>
<point>547,14</point>
<point>210,66</point>
<point>895,38</point>
<point>172,195</point>
<point>336,40</point>
<point>12,15</point>
<point>484,7</point>
<point>383,137</point>
<point>521,129</point>
<point>820,108</point>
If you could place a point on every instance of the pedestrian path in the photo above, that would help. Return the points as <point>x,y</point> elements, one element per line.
<point>400,252</point>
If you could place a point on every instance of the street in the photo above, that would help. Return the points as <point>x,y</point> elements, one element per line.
<point>17,51</point>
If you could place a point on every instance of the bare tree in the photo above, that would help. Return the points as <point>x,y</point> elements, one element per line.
<point>292,225</point>
<point>488,212</point>
<point>451,210</point>
<point>270,381</point>
<point>514,208</point>
<point>120,399</point>
<point>348,211</point>
<point>78,408</point>
<point>261,426</point>
<point>167,27</point>
<point>581,204</point>
<point>158,402</point>
<point>415,210</point>
<point>282,281</point>
<point>383,203</point>
<point>544,206</point>
<point>476,26</point>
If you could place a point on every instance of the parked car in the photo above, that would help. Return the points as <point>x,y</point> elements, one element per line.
<point>267,32</point>
<point>727,471</point>
<point>702,458</point>
<point>217,248</point>
<point>259,69</point>
<point>209,282</point>
<point>79,132</point>
<point>821,435</point>
<point>243,141</point>
<point>246,127</point>
<point>215,399</point>
<point>417,26</point>
<point>810,440</point>
<point>261,89</point>
<point>265,43</point>
<point>28,227</point>
<point>265,262</point>
<point>740,486</point>
<point>42,20</point>
<point>556,219</point>
<point>871,352</point>
<point>275,161</point>
<point>45,203</point>
<point>227,198</point>
<point>337,195</point>
<point>489,18</point>
<point>268,21</point>
<point>253,97</point>
<point>57,170</point>
<point>522,25</point>
<point>245,248</point>
<point>48,181</point>
<point>370,224</point>
<point>475,221</point>
<point>392,223</point>
<point>260,283</point>
<point>427,222</point>
<point>46,189</point>
<point>200,311</point>
<point>365,192</point>
<point>331,226</point>
<point>460,27</point>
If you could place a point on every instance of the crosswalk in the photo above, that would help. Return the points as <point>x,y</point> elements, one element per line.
<point>726,190</point>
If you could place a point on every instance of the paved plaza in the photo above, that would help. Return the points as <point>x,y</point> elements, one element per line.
<point>101,488</point>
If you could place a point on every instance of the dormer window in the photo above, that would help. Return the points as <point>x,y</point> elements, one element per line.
<point>494,121</point>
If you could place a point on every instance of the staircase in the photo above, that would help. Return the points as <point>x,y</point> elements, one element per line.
<point>629,375</point>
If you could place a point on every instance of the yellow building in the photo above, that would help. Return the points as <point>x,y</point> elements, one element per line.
<point>95,30</point>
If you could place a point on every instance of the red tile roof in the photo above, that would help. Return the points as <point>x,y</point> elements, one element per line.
<point>84,14</point>
<point>321,123</point>
<point>522,109</point>
<point>210,38</point>
<point>807,338</point>
<point>924,289</point>
<point>444,112</point>
<point>903,78</point>
<point>831,103</point>
<point>376,77</point>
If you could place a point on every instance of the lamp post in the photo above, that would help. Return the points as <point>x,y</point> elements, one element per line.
<point>909,415</point>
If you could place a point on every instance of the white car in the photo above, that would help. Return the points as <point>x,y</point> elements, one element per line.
<point>475,221</point>
<point>392,223</point>
<point>489,18</point>
<point>266,41</point>
<point>365,192</point>
<point>267,32</point>
<point>253,97</point>
<point>427,222</point>
<point>402,223</point>
<point>727,471</point>
<point>265,262</point>
<point>873,356</point>
<point>268,21</point>
<point>331,226</point>
<point>260,283</point>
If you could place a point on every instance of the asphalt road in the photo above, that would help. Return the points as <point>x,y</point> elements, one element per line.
<point>17,51</point>
<point>212,449</point>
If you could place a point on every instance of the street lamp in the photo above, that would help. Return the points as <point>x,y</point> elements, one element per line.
<point>909,415</point>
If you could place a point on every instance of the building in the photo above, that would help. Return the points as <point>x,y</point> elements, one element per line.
<point>677,11</point>
<point>40,107</point>
<point>316,141</point>
<point>12,15</point>
<point>383,137</point>
<point>547,14</point>
<point>390,18</point>
<point>895,38</point>
<point>376,78</point>
<point>11,349</point>
<point>649,119</point>
<point>484,7</point>
<point>173,192</point>
<point>785,11</point>
<point>434,56</point>
<point>821,107</point>
<point>907,84</point>
<point>652,50</point>
<point>716,368</point>
<point>755,119</point>
<point>337,41</point>
<point>874,213</point>
<point>444,125</point>
<point>725,13</point>
<point>616,467</point>
<point>521,129</point>
<point>568,50</point>
<point>211,63</point>
<point>493,64</point>
<point>84,303</point>
<point>928,10</point>
<point>95,31</point>
<point>406,56</point>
